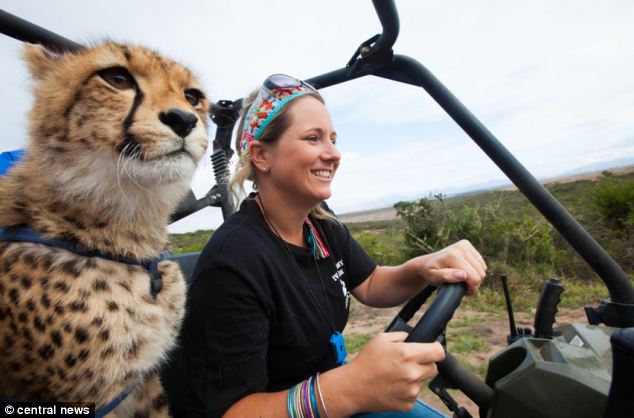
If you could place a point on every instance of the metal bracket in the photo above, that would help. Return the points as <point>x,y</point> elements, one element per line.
<point>224,114</point>
<point>612,314</point>
<point>214,197</point>
<point>439,386</point>
<point>367,59</point>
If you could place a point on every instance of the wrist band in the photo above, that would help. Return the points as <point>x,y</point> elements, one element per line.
<point>302,399</point>
<point>321,397</point>
<point>313,401</point>
<point>289,403</point>
<point>306,399</point>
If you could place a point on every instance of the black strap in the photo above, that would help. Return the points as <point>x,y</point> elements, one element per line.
<point>22,233</point>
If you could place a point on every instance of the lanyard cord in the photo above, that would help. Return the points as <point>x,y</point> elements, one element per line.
<point>301,273</point>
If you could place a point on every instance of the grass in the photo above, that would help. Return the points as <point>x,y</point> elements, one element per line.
<point>580,294</point>
<point>467,322</point>
<point>465,341</point>
<point>355,342</point>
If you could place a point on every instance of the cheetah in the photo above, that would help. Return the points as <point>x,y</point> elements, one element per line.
<point>115,133</point>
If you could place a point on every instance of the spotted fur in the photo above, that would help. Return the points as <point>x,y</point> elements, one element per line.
<point>106,165</point>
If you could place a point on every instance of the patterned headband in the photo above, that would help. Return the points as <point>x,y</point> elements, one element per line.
<point>276,91</point>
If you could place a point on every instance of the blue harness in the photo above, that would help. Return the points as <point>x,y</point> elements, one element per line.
<point>110,406</point>
<point>22,233</point>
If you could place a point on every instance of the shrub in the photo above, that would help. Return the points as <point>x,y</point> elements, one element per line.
<point>189,242</point>
<point>380,251</point>
<point>433,224</point>
<point>421,224</point>
<point>613,199</point>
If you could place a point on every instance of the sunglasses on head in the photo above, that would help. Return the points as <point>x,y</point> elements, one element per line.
<point>283,81</point>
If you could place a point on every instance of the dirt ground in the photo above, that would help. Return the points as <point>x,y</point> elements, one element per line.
<point>490,327</point>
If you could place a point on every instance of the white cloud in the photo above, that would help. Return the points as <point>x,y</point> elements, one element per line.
<point>408,171</point>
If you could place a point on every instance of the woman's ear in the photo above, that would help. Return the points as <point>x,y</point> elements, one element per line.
<point>260,156</point>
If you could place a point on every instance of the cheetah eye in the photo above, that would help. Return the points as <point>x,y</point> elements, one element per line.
<point>194,96</point>
<point>117,77</point>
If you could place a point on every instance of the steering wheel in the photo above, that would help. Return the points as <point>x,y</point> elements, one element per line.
<point>430,326</point>
<point>435,319</point>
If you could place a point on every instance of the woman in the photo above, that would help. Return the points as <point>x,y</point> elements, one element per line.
<point>272,289</point>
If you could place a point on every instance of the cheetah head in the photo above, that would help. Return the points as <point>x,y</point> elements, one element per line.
<point>116,110</point>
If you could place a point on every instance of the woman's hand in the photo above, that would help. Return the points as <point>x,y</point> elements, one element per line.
<point>455,263</point>
<point>388,373</point>
<point>390,286</point>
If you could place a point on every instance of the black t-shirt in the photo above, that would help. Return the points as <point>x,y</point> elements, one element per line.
<point>253,324</point>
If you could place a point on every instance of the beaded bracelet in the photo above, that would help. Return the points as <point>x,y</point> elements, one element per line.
<point>302,401</point>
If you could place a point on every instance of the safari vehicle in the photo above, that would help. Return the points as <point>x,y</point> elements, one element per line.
<point>575,370</point>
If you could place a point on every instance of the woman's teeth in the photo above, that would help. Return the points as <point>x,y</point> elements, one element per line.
<point>322,173</point>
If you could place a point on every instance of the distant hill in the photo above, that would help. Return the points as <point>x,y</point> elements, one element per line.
<point>388,212</point>
<point>383,202</point>
<point>615,166</point>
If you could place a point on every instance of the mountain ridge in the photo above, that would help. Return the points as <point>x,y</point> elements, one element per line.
<point>388,212</point>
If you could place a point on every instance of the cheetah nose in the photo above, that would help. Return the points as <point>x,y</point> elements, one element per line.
<point>181,122</point>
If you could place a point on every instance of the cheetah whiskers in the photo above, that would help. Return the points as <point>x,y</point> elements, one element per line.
<point>120,169</point>
<point>137,154</point>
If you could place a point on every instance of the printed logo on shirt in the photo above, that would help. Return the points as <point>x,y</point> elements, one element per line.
<point>337,277</point>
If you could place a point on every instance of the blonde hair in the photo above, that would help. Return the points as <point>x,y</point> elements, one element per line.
<point>245,170</point>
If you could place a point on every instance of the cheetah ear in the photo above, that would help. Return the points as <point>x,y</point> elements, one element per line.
<point>39,59</point>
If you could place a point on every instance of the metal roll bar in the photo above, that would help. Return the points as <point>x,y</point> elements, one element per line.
<point>25,31</point>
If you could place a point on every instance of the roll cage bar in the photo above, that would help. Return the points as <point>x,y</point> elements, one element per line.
<point>376,57</point>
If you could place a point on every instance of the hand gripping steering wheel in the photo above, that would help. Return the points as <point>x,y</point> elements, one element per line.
<point>430,326</point>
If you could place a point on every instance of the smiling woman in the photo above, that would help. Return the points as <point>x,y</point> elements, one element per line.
<point>304,159</point>
<point>284,268</point>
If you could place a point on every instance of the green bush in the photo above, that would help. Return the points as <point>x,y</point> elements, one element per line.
<point>613,199</point>
<point>189,242</point>
<point>421,224</point>
<point>432,224</point>
<point>383,241</point>
<point>523,241</point>
<point>380,252</point>
<point>612,203</point>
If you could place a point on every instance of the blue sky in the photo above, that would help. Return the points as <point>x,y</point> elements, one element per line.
<point>551,80</point>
